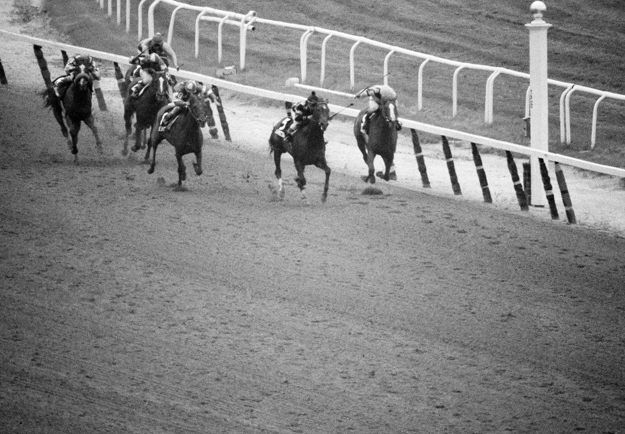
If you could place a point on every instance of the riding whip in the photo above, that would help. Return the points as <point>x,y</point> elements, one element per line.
<point>358,94</point>
<point>349,105</point>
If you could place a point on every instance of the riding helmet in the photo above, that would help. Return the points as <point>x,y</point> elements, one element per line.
<point>191,86</point>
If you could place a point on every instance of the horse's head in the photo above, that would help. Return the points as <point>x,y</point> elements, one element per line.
<point>389,110</point>
<point>321,114</point>
<point>161,85</point>
<point>83,79</point>
<point>197,108</point>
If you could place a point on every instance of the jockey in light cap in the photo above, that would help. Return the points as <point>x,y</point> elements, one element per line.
<point>157,45</point>
<point>148,64</point>
<point>378,96</point>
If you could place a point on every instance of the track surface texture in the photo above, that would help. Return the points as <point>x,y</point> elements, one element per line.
<point>129,307</point>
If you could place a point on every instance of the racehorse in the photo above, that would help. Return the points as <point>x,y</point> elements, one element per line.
<point>381,140</point>
<point>146,106</point>
<point>308,147</point>
<point>75,106</point>
<point>184,134</point>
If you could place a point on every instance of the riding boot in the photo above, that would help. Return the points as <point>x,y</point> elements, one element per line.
<point>164,121</point>
<point>398,126</point>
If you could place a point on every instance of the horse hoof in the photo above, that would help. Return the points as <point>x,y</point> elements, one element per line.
<point>150,170</point>
<point>124,152</point>
<point>134,149</point>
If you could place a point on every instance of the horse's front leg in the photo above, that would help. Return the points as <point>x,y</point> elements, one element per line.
<point>323,165</point>
<point>182,170</point>
<point>198,162</point>
<point>138,139</point>
<point>153,142</point>
<point>72,139</point>
<point>58,115</point>
<point>148,144</point>
<point>301,180</point>
<point>90,122</point>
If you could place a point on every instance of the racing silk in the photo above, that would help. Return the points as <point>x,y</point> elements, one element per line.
<point>181,92</point>
<point>73,66</point>
<point>206,92</point>
<point>163,50</point>
<point>301,111</point>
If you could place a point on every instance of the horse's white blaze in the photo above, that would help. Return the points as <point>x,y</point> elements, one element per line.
<point>391,110</point>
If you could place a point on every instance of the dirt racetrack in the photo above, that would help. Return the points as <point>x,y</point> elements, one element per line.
<point>128,307</point>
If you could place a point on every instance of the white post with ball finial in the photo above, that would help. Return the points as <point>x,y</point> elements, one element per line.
<point>539,94</point>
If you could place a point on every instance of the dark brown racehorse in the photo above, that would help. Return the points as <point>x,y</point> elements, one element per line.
<point>381,140</point>
<point>146,106</point>
<point>74,107</point>
<point>184,134</point>
<point>308,148</point>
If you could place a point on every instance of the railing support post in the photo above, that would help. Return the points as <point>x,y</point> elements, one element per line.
<point>539,105</point>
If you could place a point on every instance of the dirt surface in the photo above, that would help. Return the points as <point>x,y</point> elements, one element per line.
<point>126,306</point>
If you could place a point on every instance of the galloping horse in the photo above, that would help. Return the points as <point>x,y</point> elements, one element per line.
<point>308,147</point>
<point>146,106</point>
<point>185,135</point>
<point>381,140</point>
<point>75,103</point>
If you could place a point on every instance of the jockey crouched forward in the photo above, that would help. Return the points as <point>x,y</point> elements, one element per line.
<point>73,68</point>
<point>156,45</point>
<point>184,91</point>
<point>301,112</point>
<point>378,96</point>
<point>147,66</point>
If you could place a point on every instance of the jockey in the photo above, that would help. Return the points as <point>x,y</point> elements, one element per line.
<point>156,45</point>
<point>184,91</point>
<point>378,96</point>
<point>300,112</point>
<point>149,64</point>
<point>73,67</point>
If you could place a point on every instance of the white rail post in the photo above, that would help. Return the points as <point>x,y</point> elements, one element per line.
<point>539,108</point>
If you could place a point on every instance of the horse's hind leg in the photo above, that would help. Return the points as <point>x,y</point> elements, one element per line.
<point>370,178</point>
<point>182,170</point>
<point>138,139</point>
<point>277,157</point>
<point>128,112</point>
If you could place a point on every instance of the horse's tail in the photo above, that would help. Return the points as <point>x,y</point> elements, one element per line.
<point>50,100</point>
